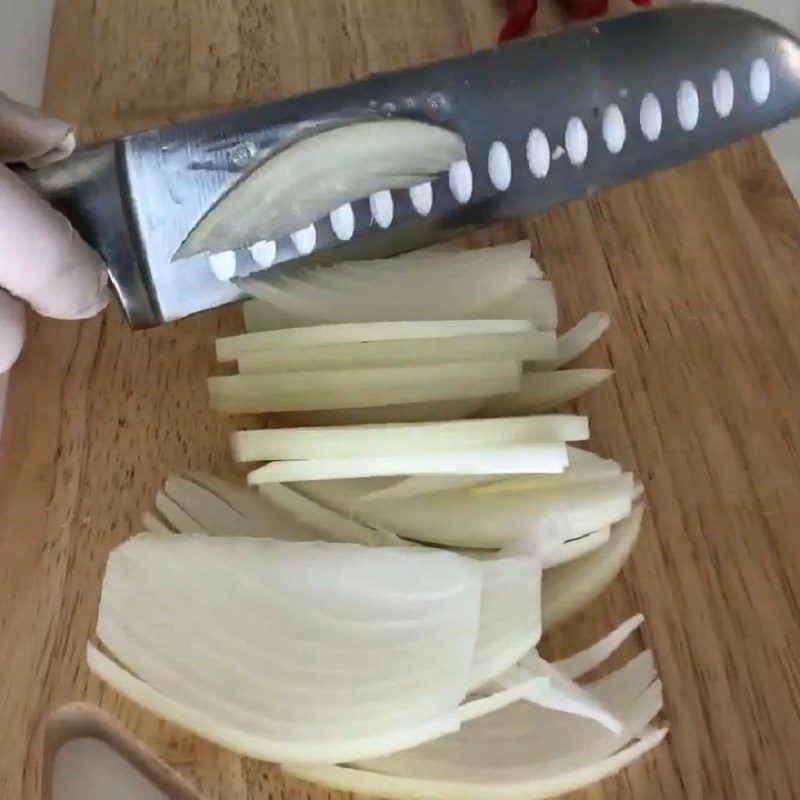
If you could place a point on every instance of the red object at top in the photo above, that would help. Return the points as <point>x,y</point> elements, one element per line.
<point>519,18</point>
<point>521,13</point>
<point>587,9</point>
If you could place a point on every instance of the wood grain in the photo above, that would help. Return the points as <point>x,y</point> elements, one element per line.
<point>699,269</point>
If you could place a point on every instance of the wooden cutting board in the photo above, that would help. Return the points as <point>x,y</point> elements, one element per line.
<point>700,270</point>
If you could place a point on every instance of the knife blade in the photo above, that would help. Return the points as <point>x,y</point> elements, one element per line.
<point>544,121</point>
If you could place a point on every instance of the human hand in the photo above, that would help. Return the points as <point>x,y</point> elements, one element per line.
<point>42,260</point>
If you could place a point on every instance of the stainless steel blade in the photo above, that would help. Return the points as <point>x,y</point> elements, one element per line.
<point>137,198</point>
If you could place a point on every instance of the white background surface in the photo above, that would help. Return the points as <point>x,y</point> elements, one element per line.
<point>25,31</point>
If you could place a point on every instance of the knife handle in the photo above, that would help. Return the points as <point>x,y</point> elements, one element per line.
<point>86,189</point>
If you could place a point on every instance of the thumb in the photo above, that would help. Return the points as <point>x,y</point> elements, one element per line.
<point>29,136</point>
<point>42,259</point>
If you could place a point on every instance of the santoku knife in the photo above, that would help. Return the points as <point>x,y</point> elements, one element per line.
<point>544,120</point>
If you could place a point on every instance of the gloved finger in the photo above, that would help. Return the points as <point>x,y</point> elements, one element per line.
<point>12,329</point>
<point>29,136</point>
<point>42,259</point>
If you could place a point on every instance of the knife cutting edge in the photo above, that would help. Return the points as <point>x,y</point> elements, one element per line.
<point>543,121</point>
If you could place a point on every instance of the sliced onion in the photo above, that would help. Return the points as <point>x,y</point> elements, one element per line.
<point>463,518</point>
<point>577,340</point>
<point>541,391</point>
<point>515,458</point>
<point>338,528</point>
<point>579,664</point>
<point>583,467</point>
<point>152,524</point>
<point>569,588</point>
<point>304,181</point>
<point>172,612</point>
<point>392,413</point>
<point>519,753</point>
<point>510,622</point>
<point>177,516</point>
<point>232,347</point>
<point>398,439</point>
<point>579,547</point>
<point>444,296</point>
<point>327,389</point>
<point>351,355</point>
<point>417,485</point>
<point>536,300</point>
<point>441,285</point>
<point>214,515</point>
<point>221,509</point>
<point>558,692</point>
<point>261,517</point>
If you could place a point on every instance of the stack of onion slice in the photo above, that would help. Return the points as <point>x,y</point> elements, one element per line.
<point>368,612</point>
<point>432,335</point>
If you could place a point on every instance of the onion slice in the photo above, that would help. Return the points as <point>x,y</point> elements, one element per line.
<point>578,340</point>
<point>583,467</point>
<point>516,458</point>
<point>435,410</point>
<point>527,346</point>
<point>305,180</point>
<point>569,588</point>
<point>462,518</point>
<point>542,391</point>
<point>494,282</point>
<point>232,347</point>
<point>510,621</point>
<point>338,528</point>
<point>521,752</point>
<point>253,643</point>
<point>356,388</point>
<point>398,439</point>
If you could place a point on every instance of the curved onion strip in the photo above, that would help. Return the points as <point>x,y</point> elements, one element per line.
<point>528,740</point>
<point>177,516</point>
<point>569,588</point>
<point>511,459</point>
<point>215,516</point>
<point>248,503</point>
<point>521,752</point>
<point>317,516</point>
<point>250,744</point>
<point>400,611</point>
<point>541,391</point>
<point>583,467</point>
<point>417,485</point>
<point>303,181</point>
<point>510,616</point>
<point>355,388</point>
<point>222,509</point>
<point>347,779</point>
<point>577,340</point>
<point>459,284</point>
<point>152,524</point>
<point>463,519</point>
<point>402,439</point>
<point>230,348</point>
<point>558,692</point>
<point>577,548</point>
<point>506,264</point>
<point>578,664</point>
